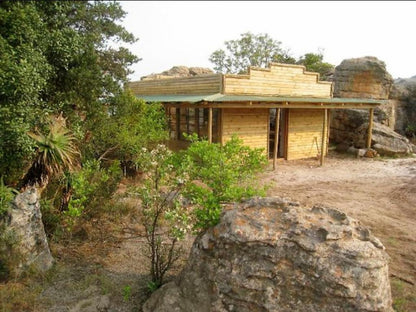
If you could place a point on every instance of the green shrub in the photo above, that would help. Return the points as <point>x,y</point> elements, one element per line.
<point>226,174</point>
<point>6,196</point>
<point>90,188</point>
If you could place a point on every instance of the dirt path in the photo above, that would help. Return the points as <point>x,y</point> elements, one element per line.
<point>381,193</point>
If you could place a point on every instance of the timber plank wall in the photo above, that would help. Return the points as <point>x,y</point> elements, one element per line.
<point>304,133</point>
<point>279,79</point>
<point>202,84</point>
<point>251,125</point>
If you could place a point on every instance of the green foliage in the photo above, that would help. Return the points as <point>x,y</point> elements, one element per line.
<point>224,173</point>
<point>314,63</point>
<point>260,50</point>
<point>128,125</point>
<point>165,220</point>
<point>7,194</point>
<point>90,188</point>
<point>207,175</point>
<point>55,153</point>
<point>56,57</point>
<point>152,286</point>
<point>410,130</point>
<point>250,50</point>
<point>126,293</point>
<point>7,237</point>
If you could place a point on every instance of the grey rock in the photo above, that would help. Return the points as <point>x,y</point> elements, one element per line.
<point>179,71</point>
<point>270,254</point>
<point>364,77</point>
<point>349,128</point>
<point>25,221</point>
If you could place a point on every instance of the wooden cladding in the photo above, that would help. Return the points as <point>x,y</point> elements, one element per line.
<point>305,133</point>
<point>251,125</point>
<point>278,80</point>
<point>202,84</point>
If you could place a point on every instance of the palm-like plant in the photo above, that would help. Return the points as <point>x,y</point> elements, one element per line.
<point>56,152</point>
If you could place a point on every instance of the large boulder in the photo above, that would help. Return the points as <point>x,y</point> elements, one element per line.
<point>272,255</point>
<point>364,77</point>
<point>179,71</point>
<point>30,248</point>
<point>349,128</point>
<point>385,141</point>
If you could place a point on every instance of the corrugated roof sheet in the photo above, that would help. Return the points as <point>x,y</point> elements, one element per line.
<point>219,97</point>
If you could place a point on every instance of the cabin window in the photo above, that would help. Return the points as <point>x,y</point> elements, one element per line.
<point>193,120</point>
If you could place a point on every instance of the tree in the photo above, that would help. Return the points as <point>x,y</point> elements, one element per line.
<point>55,153</point>
<point>250,50</point>
<point>125,126</point>
<point>260,50</point>
<point>57,56</point>
<point>314,63</point>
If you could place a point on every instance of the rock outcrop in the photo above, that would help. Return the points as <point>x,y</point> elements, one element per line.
<point>364,77</point>
<point>272,255</point>
<point>25,222</point>
<point>179,71</point>
<point>367,77</point>
<point>403,100</point>
<point>349,127</point>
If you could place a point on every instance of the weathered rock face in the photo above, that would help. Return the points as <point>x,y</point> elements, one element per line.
<point>272,255</point>
<point>367,77</point>
<point>403,99</point>
<point>179,71</point>
<point>386,141</point>
<point>349,127</point>
<point>25,221</point>
<point>364,77</point>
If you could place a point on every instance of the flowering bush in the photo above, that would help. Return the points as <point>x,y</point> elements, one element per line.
<point>206,175</point>
<point>164,218</point>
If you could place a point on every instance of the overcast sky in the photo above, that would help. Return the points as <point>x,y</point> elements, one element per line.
<point>187,32</point>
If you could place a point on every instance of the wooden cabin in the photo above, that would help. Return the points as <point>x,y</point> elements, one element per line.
<point>282,109</point>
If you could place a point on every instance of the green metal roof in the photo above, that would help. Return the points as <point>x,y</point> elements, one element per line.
<point>219,97</point>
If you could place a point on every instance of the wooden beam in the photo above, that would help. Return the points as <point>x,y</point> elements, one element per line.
<point>197,121</point>
<point>221,122</point>
<point>178,123</point>
<point>370,128</point>
<point>270,105</point>
<point>210,125</point>
<point>276,137</point>
<point>328,130</point>
<point>324,132</point>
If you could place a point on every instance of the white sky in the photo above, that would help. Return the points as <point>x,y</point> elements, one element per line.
<point>187,32</point>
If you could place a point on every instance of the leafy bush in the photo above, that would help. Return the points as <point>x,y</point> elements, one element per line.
<point>410,131</point>
<point>206,174</point>
<point>6,196</point>
<point>127,126</point>
<point>90,188</point>
<point>7,237</point>
<point>165,220</point>
<point>225,173</point>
